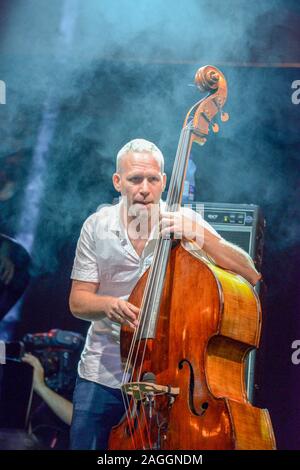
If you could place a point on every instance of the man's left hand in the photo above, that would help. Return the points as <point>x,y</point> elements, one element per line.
<point>181,226</point>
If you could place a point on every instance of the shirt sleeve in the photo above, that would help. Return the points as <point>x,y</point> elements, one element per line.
<point>85,267</point>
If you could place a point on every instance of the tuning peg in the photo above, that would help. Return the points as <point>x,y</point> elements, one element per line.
<point>224,116</point>
<point>215,127</point>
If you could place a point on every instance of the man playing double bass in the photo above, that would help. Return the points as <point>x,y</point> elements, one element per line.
<point>114,249</point>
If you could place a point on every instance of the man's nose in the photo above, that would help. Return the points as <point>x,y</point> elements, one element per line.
<point>144,189</point>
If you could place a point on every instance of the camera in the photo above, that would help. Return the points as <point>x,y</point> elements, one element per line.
<point>58,352</point>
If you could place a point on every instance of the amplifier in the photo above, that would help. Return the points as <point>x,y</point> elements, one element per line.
<point>240,224</point>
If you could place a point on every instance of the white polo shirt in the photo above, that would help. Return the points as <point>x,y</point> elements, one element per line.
<point>105,255</point>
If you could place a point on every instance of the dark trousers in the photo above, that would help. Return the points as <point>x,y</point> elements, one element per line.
<point>97,409</point>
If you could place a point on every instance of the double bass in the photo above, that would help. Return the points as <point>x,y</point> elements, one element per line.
<point>186,359</point>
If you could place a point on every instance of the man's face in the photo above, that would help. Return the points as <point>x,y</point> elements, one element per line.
<point>140,181</point>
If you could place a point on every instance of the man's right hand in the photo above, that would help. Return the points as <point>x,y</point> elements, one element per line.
<point>86,304</point>
<point>121,311</point>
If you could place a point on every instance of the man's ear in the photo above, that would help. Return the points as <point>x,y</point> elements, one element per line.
<point>116,179</point>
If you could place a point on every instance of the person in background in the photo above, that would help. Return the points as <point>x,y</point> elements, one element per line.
<point>7,267</point>
<point>51,420</point>
<point>59,405</point>
<point>14,272</point>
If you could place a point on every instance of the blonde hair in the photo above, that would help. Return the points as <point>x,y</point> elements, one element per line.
<point>140,145</point>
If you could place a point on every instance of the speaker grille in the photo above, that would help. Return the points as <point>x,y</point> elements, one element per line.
<point>241,239</point>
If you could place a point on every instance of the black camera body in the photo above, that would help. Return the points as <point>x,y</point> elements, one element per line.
<point>58,352</point>
<point>54,338</point>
